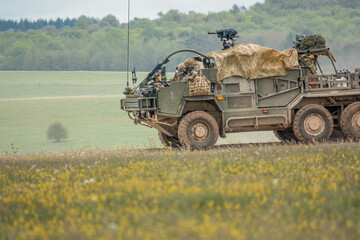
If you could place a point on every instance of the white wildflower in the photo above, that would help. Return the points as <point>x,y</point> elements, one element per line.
<point>112,225</point>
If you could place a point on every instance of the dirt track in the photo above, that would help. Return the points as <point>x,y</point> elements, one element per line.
<point>155,150</point>
<point>147,150</point>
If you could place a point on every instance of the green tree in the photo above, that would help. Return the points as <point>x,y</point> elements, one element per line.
<point>57,131</point>
<point>109,21</point>
<point>18,48</point>
<point>2,62</point>
<point>235,9</point>
<point>83,22</point>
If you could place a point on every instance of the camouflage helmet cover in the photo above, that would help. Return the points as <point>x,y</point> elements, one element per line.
<point>190,63</point>
<point>181,67</point>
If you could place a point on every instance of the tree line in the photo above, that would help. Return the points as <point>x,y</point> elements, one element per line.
<point>25,24</point>
<point>100,44</point>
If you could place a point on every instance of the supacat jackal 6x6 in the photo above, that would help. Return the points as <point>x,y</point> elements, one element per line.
<point>248,88</point>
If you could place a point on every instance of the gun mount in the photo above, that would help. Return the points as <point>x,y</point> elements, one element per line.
<point>227,37</point>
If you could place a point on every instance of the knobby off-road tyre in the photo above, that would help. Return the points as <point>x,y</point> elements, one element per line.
<point>289,137</point>
<point>198,130</point>
<point>313,123</point>
<point>285,136</point>
<point>350,121</point>
<point>169,141</point>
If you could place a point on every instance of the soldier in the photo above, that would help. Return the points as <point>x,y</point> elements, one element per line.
<point>190,64</point>
<point>297,42</point>
<point>191,69</point>
<point>157,80</point>
<point>310,61</point>
<point>180,72</point>
<point>157,76</point>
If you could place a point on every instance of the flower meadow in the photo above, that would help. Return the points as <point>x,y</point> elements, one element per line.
<point>252,192</point>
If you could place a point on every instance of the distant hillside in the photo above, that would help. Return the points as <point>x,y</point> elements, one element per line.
<point>101,44</point>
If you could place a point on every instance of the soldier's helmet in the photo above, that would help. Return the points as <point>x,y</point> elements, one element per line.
<point>157,76</point>
<point>190,63</point>
<point>181,67</point>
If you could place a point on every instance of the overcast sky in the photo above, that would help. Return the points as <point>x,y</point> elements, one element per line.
<point>46,9</point>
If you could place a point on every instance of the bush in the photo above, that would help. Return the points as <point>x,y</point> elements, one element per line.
<point>57,131</point>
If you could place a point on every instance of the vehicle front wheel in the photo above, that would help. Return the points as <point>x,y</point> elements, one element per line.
<point>169,141</point>
<point>198,130</point>
<point>313,123</point>
<point>350,121</point>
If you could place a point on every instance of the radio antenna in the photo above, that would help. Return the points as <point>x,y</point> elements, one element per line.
<point>128,47</point>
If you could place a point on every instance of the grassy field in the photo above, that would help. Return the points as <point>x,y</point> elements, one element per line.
<point>87,103</point>
<point>255,192</point>
<point>52,84</point>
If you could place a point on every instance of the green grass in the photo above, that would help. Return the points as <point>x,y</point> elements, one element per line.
<point>86,103</point>
<point>49,84</point>
<point>34,78</point>
<point>254,192</point>
<point>91,122</point>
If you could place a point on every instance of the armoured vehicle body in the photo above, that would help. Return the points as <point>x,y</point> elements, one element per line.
<point>300,105</point>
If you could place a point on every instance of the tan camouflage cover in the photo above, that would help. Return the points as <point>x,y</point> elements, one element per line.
<point>252,61</point>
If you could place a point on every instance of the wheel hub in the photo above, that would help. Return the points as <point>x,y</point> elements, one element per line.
<point>314,124</point>
<point>199,132</point>
<point>355,121</point>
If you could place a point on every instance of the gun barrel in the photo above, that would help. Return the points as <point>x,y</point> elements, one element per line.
<point>313,50</point>
<point>212,32</point>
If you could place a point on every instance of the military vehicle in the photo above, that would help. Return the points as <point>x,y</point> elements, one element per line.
<point>245,88</point>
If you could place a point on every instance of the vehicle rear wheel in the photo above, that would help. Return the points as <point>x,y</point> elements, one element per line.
<point>285,136</point>
<point>198,130</point>
<point>169,141</point>
<point>289,137</point>
<point>350,121</point>
<point>313,123</point>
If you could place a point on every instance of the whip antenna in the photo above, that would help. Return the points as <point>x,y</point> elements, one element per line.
<point>128,47</point>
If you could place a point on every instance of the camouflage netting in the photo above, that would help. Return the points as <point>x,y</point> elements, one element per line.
<point>198,86</point>
<point>312,42</point>
<point>252,61</point>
